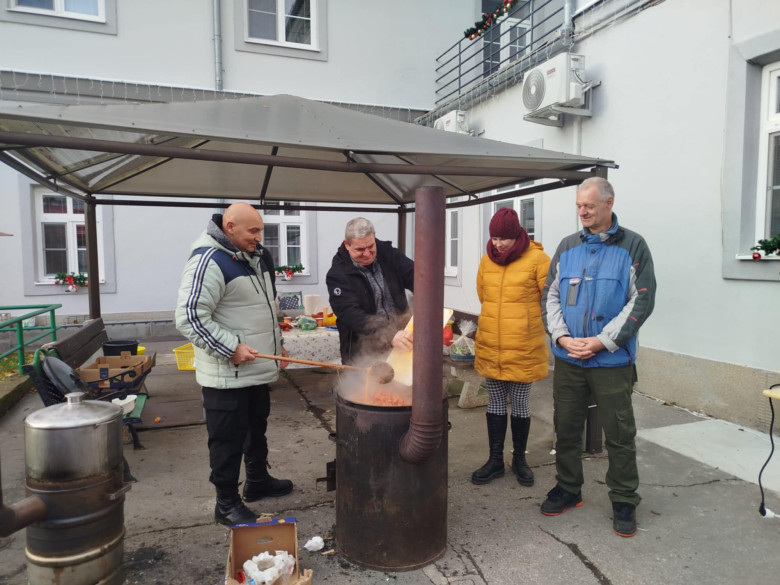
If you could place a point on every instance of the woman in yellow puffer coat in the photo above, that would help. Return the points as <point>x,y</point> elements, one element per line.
<point>510,347</point>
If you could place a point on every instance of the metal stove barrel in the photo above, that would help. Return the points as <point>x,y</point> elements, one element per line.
<point>391,515</point>
<point>73,455</point>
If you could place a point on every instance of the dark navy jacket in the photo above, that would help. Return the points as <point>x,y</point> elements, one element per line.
<point>361,331</point>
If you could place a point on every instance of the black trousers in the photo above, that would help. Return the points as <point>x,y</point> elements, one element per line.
<point>236,420</point>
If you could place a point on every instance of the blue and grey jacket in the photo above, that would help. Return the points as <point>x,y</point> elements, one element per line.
<point>600,285</point>
<point>226,297</point>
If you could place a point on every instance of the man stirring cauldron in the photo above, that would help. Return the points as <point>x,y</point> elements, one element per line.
<point>367,283</point>
<point>226,309</point>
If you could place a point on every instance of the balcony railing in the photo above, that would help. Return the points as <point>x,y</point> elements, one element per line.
<point>519,36</point>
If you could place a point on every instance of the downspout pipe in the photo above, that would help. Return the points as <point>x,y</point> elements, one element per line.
<point>218,45</point>
<point>427,424</point>
<point>567,30</point>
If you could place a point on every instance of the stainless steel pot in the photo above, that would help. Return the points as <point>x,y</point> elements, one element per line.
<point>78,438</point>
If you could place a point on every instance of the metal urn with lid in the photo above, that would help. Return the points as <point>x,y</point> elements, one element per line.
<point>74,464</point>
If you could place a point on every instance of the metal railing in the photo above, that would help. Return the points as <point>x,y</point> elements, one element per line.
<point>17,323</point>
<point>525,30</point>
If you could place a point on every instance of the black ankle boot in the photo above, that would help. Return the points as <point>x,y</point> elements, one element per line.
<point>230,510</point>
<point>494,468</point>
<point>266,487</point>
<point>520,428</point>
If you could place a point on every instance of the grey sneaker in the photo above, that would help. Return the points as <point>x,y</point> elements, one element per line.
<point>624,518</point>
<point>559,500</point>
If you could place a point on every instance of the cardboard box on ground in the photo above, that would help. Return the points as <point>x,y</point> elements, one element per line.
<point>106,371</point>
<point>249,540</point>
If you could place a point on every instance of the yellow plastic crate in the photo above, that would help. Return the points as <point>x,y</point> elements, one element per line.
<point>185,357</point>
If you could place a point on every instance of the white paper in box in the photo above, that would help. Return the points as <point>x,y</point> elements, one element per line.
<point>249,540</point>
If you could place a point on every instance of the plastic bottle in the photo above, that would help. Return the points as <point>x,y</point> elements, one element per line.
<point>447,335</point>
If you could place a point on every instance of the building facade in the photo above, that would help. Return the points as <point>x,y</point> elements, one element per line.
<point>683,94</point>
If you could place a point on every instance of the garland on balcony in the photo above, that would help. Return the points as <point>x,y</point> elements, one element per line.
<point>488,20</point>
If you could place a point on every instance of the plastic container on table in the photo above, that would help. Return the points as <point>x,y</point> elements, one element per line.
<point>115,347</point>
<point>185,357</point>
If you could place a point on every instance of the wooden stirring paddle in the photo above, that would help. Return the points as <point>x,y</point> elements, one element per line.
<point>382,372</point>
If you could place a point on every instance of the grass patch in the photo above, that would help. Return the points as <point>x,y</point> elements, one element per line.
<point>9,365</point>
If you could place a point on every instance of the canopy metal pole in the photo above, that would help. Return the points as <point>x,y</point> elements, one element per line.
<point>427,424</point>
<point>402,232</point>
<point>93,272</point>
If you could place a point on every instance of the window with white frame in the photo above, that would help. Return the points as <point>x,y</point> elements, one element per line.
<point>285,28</point>
<point>768,201</point>
<point>453,231</point>
<point>61,241</point>
<point>283,22</point>
<point>285,236</point>
<point>94,10</point>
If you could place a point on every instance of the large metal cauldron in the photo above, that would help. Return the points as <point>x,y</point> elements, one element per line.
<point>73,454</point>
<point>390,514</point>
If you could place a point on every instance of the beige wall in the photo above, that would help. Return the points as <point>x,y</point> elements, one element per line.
<point>718,389</point>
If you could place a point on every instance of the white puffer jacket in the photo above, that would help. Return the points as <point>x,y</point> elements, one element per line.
<point>226,297</point>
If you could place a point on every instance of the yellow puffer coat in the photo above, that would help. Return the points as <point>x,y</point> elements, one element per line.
<point>510,343</point>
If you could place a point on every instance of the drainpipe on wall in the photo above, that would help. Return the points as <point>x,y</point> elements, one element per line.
<point>218,44</point>
<point>567,30</point>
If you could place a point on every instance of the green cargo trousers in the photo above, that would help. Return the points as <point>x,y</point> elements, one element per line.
<point>611,389</point>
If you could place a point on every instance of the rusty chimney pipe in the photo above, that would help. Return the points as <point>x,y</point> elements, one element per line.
<point>21,514</point>
<point>427,424</point>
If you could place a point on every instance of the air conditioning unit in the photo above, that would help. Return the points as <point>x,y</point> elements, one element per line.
<point>454,121</point>
<point>556,82</point>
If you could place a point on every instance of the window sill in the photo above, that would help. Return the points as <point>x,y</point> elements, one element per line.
<point>283,45</point>
<point>750,257</point>
<point>53,14</point>
<point>52,283</point>
<point>103,24</point>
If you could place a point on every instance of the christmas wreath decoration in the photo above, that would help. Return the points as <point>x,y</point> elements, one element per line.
<point>488,20</point>
<point>770,246</point>
<point>288,271</point>
<point>72,280</point>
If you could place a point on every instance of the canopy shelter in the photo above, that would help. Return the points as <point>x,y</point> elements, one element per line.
<point>267,150</point>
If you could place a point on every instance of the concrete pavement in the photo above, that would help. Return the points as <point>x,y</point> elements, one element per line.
<point>698,522</point>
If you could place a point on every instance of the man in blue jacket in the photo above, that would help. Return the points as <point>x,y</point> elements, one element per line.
<point>599,291</point>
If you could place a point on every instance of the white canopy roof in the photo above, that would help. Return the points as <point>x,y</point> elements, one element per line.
<point>268,149</point>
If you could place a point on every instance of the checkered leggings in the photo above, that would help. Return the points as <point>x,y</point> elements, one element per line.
<point>518,392</point>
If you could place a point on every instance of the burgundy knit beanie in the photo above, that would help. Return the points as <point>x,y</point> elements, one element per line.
<point>505,224</point>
